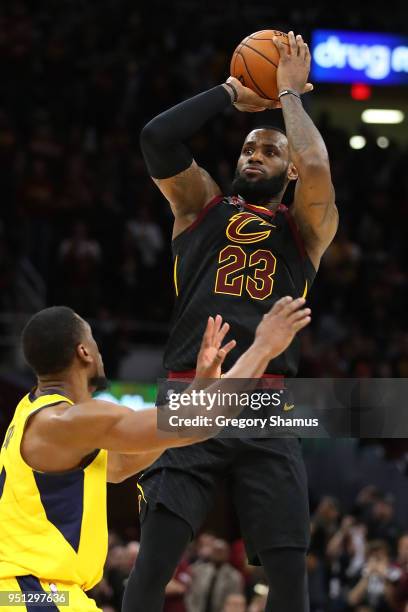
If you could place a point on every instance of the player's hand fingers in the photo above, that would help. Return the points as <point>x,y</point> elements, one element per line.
<point>292,306</point>
<point>218,339</point>
<point>227,348</point>
<point>222,353</point>
<point>274,104</point>
<point>219,358</point>
<point>263,102</point>
<point>248,108</point>
<point>208,334</point>
<point>303,49</point>
<point>282,49</point>
<point>308,56</point>
<point>292,43</point>
<point>279,305</point>
<point>300,45</point>
<point>298,325</point>
<point>217,326</point>
<point>299,314</point>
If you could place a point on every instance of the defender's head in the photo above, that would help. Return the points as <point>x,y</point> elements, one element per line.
<point>264,168</point>
<point>56,340</point>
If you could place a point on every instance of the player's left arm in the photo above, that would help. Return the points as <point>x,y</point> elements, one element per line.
<point>314,207</point>
<point>125,465</point>
<point>209,361</point>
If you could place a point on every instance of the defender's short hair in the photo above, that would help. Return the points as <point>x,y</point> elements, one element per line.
<point>50,339</point>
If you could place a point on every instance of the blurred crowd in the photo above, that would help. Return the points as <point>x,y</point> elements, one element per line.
<point>82,224</point>
<point>358,562</point>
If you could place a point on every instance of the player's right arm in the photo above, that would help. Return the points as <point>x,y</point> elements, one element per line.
<point>81,428</point>
<point>187,186</point>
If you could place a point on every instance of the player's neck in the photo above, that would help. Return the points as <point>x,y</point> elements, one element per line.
<point>271,204</point>
<point>71,385</point>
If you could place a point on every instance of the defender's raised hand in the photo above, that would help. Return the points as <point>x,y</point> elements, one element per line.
<point>294,64</point>
<point>280,325</point>
<point>211,355</point>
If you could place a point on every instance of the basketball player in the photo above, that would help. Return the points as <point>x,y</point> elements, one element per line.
<point>54,465</point>
<point>236,255</point>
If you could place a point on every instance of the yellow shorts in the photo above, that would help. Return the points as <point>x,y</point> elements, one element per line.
<point>18,594</point>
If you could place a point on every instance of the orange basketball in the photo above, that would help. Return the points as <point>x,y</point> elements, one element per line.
<point>256,60</point>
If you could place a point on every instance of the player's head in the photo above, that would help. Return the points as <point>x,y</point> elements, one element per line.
<point>264,168</point>
<point>57,341</point>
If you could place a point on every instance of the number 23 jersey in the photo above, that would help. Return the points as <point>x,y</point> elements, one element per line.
<point>236,260</point>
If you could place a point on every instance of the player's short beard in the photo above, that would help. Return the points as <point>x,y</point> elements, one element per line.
<point>260,191</point>
<point>98,383</point>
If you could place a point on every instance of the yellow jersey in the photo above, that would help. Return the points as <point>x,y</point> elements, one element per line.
<point>52,525</point>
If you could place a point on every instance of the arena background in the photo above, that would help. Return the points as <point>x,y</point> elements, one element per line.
<point>81,224</point>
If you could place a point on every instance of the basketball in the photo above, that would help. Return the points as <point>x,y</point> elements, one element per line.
<point>255,61</point>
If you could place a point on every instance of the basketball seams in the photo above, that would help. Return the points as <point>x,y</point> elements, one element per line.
<point>282,41</point>
<point>277,33</point>
<point>234,58</point>
<point>249,63</point>
<point>260,91</point>
<point>265,57</point>
<point>254,37</point>
<point>245,67</point>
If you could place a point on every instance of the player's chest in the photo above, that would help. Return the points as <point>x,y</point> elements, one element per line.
<point>231,231</point>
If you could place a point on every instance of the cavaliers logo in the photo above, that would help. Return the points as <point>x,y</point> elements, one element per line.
<point>238,230</point>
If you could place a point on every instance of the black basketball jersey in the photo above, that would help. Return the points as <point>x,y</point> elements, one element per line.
<point>235,260</point>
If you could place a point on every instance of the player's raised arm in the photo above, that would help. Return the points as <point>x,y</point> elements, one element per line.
<point>186,186</point>
<point>99,424</point>
<point>275,332</point>
<point>314,207</point>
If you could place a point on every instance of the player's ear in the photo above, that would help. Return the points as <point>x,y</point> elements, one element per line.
<point>292,172</point>
<point>84,354</point>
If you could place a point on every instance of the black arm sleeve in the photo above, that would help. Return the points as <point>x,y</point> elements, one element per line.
<point>162,138</point>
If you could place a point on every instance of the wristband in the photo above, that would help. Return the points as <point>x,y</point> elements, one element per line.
<point>286,92</point>
<point>234,91</point>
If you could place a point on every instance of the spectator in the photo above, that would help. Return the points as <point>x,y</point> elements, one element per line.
<point>258,602</point>
<point>235,603</point>
<point>381,524</point>
<point>147,237</point>
<point>79,265</point>
<point>377,583</point>
<point>401,592</point>
<point>118,565</point>
<point>177,588</point>
<point>204,547</point>
<point>316,582</point>
<point>324,524</point>
<point>212,581</point>
<point>345,557</point>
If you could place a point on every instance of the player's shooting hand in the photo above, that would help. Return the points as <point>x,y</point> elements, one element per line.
<point>294,64</point>
<point>248,101</point>
<point>211,355</point>
<point>280,325</point>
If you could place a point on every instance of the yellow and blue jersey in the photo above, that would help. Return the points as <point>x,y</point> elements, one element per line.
<point>53,525</point>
